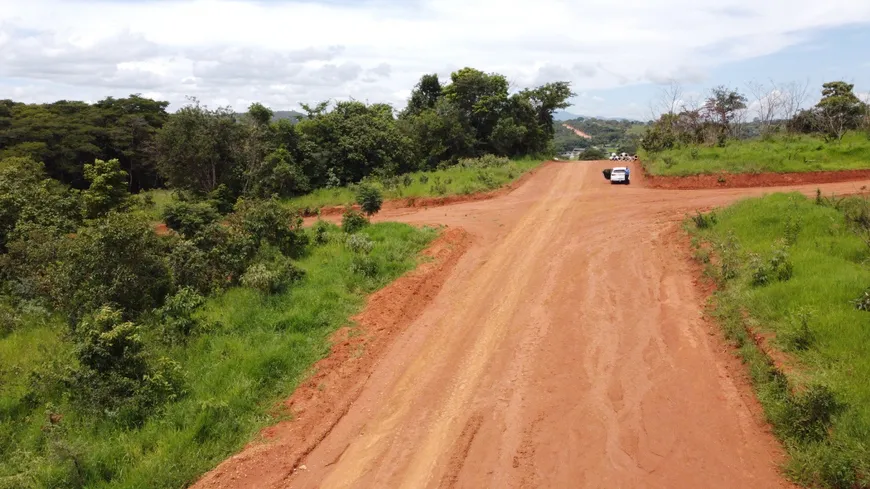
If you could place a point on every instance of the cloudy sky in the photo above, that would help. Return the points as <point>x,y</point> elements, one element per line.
<point>282,52</point>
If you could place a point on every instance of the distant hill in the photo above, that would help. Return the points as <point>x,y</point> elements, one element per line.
<point>566,116</point>
<point>288,114</point>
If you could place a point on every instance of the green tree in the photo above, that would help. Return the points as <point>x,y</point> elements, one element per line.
<point>189,218</point>
<point>424,96</point>
<point>369,198</point>
<point>200,148</point>
<point>839,109</point>
<point>107,190</point>
<point>355,139</point>
<point>279,174</point>
<point>723,105</point>
<point>439,134</point>
<point>480,98</point>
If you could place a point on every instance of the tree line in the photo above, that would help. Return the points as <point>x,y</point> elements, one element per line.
<point>770,109</point>
<point>199,149</point>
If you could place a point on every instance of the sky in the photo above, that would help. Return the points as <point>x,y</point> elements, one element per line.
<point>617,55</point>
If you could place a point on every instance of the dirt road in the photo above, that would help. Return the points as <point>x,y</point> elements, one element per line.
<point>566,350</point>
<point>577,131</point>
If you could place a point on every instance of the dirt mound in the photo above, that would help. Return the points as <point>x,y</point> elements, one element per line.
<point>418,202</point>
<point>337,380</point>
<point>748,180</point>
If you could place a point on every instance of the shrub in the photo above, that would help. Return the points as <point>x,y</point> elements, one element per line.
<point>364,265</point>
<point>424,179</point>
<point>729,257</point>
<point>485,161</point>
<point>117,260</point>
<point>189,218</point>
<point>809,414</point>
<point>272,277</point>
<point>321,231</point>
<point>359,243</point>
<point>267,221</point>
<point>176,315</point>
<point>8,317</point>
<point>780,263</point>
<point>115,377</point>
<point>107,190</point>
<point>369,198</point>
<point>487,179</point>
<point>799,336</point>
<point>352,221</point>
<point>759,271</point>
<point>704,221</point>
<point>437,187</point>
<point>222,199</point>
<point>407,181</point>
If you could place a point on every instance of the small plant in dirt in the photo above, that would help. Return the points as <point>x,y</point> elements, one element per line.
<point>352,221</point>
<point>360,244</point>
<point>819,200</point>
<point>369,199</point>
<point>862,303</point>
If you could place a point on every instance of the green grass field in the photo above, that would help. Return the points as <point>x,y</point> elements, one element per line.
<point>452,181</point>
<point>255,352</point>
<point>819,406</point>
<point>780,155</point>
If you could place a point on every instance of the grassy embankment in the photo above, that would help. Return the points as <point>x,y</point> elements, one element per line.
<point>781,154</point>
<point>791,269</point>
<point>255,351</point>
<point>455,180</point>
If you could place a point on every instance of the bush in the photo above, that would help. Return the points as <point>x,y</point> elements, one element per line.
<point>487,179</point>
<point>704,221</point>
<point>267,221</point>
<point>759,271</point>
<point>222,199</point>
<point>189,218</point>
<point>424,179</point>
<point>322,230</point>
<point>407,181</point>
<point>485,161</point>
<point>176,316</point>
<point>272,277</point>
<point>107,190</point>
<point>799,336</point>
<point>364,265</point>
<point>117,260</point>
<point>8,317</point>
<point>809,414</point>
<point>780,263</point>
<point>729,257</point>
<point>359,243</point>
<point>352,221</point>
<point>115,378</point>
<point>369,198</point>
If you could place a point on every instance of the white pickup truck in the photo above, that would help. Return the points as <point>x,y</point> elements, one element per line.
<point>620,174</point>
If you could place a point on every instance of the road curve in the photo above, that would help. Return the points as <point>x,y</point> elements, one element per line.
<point>567,349</point>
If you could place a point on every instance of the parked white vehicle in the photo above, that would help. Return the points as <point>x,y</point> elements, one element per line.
<point>620,174</point>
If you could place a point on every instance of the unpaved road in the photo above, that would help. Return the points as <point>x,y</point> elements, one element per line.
<point>577,131</point>
<point>566,350</point>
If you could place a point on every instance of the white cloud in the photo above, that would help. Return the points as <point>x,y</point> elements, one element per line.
<point>281,53</point>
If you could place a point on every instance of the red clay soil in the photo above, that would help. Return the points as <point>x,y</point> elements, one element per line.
<point>567,347</point>
<point>337,380</point>
<point>747,180</point>
<point>418,202</point>
<point>577,131</point>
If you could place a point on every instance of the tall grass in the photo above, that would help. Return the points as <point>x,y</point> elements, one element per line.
<point>256,350</point>
<point>780,154</point>
<point>455,180</point>
<point>820,406</point>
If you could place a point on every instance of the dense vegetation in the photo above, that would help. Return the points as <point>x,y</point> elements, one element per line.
<point>714,136</point>
<point>132,358</point>
<point>796,271</point>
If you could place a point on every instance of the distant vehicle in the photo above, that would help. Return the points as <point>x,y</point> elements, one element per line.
<point>620,174</point>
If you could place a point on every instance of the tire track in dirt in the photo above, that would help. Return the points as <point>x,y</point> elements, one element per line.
<point>567,349</point>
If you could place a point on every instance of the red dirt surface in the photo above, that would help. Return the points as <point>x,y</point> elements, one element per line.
<point>567,348</point>
<point>417,202</point>
<point>747,180</point>
<point>577,131</point>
